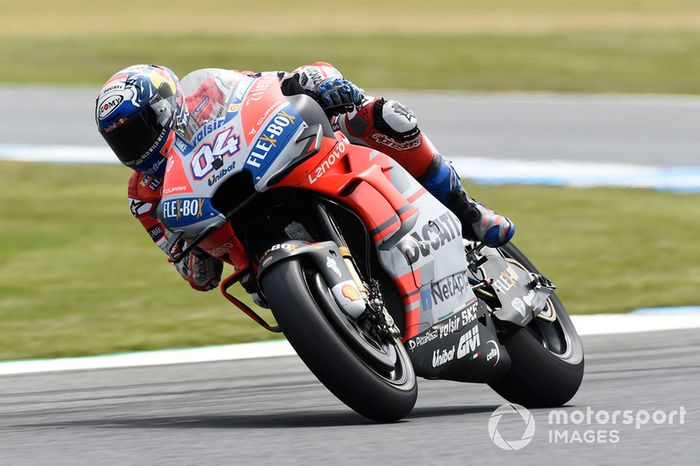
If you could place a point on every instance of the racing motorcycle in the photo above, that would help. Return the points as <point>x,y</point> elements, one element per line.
<point>365,272</point>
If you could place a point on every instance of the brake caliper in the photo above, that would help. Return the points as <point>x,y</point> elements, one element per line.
<point>377,315</point>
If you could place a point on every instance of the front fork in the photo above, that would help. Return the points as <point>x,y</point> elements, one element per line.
<point>375,312</point>
<point>331,229</point>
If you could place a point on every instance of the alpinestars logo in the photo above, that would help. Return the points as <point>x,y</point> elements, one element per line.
<point>139,207</point>
<point>397,145</point>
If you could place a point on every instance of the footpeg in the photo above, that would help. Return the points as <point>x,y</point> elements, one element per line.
<point>540,281</point>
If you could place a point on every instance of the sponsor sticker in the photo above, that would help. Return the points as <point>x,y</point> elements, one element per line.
<point>433,235</point>
<point>218,176</point>
<point>519,306</point>
<point>421,340</point>
<point>175,190</point>
<point>108,105</point>
<point>494,352</point>
<point>155,232</point>
<point>506,280</point>
<point>454,285</point>
<point>449,326</point>
<point>207,129</point>
<point>443,356</point>
<point>397,145</point>
<point>186,211</point>
<point>272,140</point>
<point>333,265</point>
<point>285,246</point>
<point>337,153</point>
<point>350,292</point>
<point>458,321</point>
<point>469,342</point>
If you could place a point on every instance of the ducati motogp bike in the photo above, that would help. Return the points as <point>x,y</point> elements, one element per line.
<point>365,272</point>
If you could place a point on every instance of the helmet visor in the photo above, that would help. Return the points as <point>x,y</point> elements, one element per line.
<point>134,140</point>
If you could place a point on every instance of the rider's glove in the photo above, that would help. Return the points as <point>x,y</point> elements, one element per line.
<point>201,270</point>
<point>338,95</point>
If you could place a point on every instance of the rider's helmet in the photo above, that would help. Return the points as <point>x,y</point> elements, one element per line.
<point>138,111</point>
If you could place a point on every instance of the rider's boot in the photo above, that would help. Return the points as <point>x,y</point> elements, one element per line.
<point>479,223</point>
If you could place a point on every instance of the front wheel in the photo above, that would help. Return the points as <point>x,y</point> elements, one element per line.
<point>546,356</point>
<point>373,377</point>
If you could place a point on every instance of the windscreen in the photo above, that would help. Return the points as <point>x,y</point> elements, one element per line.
<point>207,92</point>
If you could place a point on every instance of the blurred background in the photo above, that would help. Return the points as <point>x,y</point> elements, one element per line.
<point>575,118</point>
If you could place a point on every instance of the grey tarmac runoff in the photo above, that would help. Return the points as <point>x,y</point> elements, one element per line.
<point>631,129</point>
<point>273,411</point>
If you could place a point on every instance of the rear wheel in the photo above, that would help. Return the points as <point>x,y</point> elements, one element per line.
<point>371,374</point>
<point>546,356</point>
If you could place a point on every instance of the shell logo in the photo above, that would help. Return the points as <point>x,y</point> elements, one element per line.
<point>351,293</point>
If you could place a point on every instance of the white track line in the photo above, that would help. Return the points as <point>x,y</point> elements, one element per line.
<point>152,358</point>
<point>596,324</point>
<point>606,324</point>
<point>480,170</point>
<point>581,174</point>
<point>57,154</point>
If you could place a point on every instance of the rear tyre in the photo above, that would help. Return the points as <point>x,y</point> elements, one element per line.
<point>546,357</point>
<point>308,314</point>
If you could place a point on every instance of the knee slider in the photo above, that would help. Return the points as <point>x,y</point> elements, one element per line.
<point>395,120</point>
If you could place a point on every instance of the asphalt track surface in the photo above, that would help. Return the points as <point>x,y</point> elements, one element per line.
<point>274,411</point>
<point>646,130</point>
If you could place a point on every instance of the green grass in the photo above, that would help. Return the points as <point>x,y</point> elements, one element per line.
<point>78,275</point>
<point>479,45</point>
<point>89,18</point>
<point>643,61</point>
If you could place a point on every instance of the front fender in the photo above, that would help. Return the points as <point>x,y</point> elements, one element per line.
<point>326,257</point>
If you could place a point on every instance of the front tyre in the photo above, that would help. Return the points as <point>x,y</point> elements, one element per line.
<point>546,356</point>
<point>306,311</point>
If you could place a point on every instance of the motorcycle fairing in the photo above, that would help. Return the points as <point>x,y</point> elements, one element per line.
<point>329,262</point>
<point>418,240</point>
<point>464,347</point>
<point>259,126</point>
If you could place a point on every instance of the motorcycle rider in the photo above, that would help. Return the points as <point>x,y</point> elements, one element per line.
<point>141,108</point>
